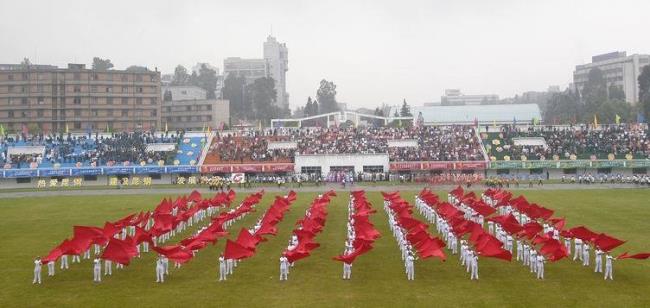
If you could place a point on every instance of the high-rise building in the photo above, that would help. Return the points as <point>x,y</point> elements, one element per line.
<point>275,64</point>
<point>277,57</point>
<point>52,99</point>
<point>619,70</point>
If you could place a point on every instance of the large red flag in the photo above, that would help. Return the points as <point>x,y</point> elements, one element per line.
<point>607,243</point>
<point>117,251</point>
<point>349,258</point>
<point>53,255</point>
<point>175,253</point>
<point>295,255</point>
<point>236,251</point>
<point>246,239</point>
<point>583,233</point>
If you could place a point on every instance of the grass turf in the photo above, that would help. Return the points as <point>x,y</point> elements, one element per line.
<point>32,226</point>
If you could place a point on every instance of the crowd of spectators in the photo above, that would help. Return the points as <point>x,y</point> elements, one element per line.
<point>88,149</point>
<point>439,143</point>
<point>576,142</point>
<point>250,146</point>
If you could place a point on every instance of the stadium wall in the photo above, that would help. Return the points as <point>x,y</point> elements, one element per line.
<point>355,161</point>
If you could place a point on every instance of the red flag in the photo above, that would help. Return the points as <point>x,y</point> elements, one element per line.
<point>118,251</point>
<point>349,258</point>
<point>295,255</point>
<point>639,256</point>
<point>583,233</point>
<point>54,255</point>
<point>246,239</point>
<point>175,253</point>
<point>607,243</point>
<point>234,250</point>
<point>195,196</point>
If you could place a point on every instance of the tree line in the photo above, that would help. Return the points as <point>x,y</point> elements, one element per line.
<point>598,100</point>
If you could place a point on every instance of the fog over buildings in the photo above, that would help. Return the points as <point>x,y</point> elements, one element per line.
<point>375,51</point>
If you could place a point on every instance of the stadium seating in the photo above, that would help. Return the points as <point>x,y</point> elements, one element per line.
<point>440,143</point>
<point>52,151</point>
<point>583,142</point>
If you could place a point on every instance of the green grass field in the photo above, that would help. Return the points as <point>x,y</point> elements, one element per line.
<point>32,226</point>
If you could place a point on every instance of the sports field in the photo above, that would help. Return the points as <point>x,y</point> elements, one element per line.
<point>32,226</point>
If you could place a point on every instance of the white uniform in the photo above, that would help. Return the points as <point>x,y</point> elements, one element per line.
<point>37,271</point>
<point>410,269</point>
<point>160,270</point>
<point>474,274</point>
<point>284,268</point>
<point>97,270</point>
<point>540,266</point>
<point>347,271</point>
<point>532,259</point>
<point>577,249</point>
<point>223,270</point>
<point>598,259</point>
<point>50,268</point>
<point>585,255</point>
<point>108,267</point>
<point>166,264</point>
<point>229,266</point>
<point>64,262</point>
<point>608,267</point>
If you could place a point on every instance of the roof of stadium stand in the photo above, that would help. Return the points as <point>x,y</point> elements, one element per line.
<point>485,114</point>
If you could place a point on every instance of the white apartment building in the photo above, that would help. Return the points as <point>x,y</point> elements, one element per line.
<point>456,97</point>
<point>618,69</point>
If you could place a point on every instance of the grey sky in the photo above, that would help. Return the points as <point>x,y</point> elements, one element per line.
<point>375,51</point>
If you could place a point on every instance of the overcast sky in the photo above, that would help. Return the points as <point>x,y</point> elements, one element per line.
<point>375,51</point>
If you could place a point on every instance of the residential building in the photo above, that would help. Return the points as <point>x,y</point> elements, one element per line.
<point>618,68</point>
<point>52,99</point>
<point>182,93</point>
<point>195,115</point>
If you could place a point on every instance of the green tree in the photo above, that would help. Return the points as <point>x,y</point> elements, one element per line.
<point>207,80</point>
<point>594,93</point>
<point>181,77</point>
<point>326,94</point>
<point>137,68</point>
<point>406,110</point>
<point>379,112</point>
<point>644,91</point>
<point>616,92</point>
<point>100,64</point>
<point>608,111</point>
<point>309,107</point>
<point>315,108</point>
<point>263,96</point>
<point>563,108</point>
<point>234,89</point>
<point>26,62</point>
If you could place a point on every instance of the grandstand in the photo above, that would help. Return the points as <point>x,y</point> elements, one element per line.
<point>422,152</point>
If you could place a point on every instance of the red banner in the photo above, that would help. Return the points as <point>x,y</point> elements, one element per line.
<point>279,168</point>
<point>216,169</point>
<point>436,165</point>
<point>403,166</point>
<point>247,168</point>
<point>470,165</point>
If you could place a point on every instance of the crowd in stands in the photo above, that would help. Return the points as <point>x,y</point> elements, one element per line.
<point>88,149</point>
<point>439,143</point>
<point>250,146</point>
<point>579,142</point>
